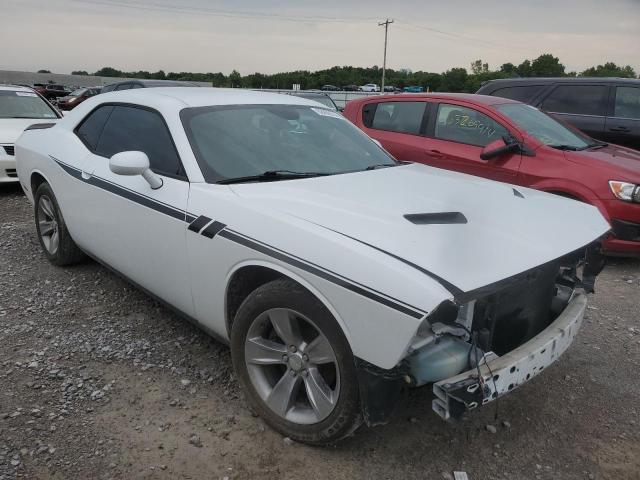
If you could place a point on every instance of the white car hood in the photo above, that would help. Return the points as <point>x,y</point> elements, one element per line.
<point>509,229</point>
<point>12,128</point>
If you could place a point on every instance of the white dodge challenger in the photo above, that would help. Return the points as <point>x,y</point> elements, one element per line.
<point>336,274</point>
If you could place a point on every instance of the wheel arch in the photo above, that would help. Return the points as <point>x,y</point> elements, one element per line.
<point>36,179</point>
<point>248,276</point>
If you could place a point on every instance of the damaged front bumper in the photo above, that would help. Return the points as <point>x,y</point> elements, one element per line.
<point>498,375</point>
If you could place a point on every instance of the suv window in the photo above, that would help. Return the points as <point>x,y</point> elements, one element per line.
<point>521,94</point>
<point>465,125</point>
<point>403,117</point>
<point>133,128</point>
<point>91,127</point>
<point>627,102</point>
<point>578,99</point>
<point>123,86</point>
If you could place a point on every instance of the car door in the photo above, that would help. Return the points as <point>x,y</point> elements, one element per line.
<point>398,126</point>
<point>456,136</point>
<point>136,230</point>
<point>584,106</point>
<point>623,125</point>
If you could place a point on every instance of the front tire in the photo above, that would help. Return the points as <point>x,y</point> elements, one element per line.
<point>55,239</point>
<point>295,364</point>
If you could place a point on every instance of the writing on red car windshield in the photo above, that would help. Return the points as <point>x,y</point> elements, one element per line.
<point>465,121</point>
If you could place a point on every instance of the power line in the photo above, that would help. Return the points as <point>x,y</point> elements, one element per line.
<point>384,61</point>
<point>457,36</point>
<point>190,10</point>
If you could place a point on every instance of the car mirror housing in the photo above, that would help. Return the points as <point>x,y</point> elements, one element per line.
<point>497,148</point>
<point>134,163</point>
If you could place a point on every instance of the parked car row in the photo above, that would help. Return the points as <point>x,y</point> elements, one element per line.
<point>337,274</point>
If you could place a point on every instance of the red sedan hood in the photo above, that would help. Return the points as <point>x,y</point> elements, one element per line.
<point>618,159</point>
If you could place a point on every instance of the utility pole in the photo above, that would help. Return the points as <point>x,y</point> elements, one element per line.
<point>384,61</point>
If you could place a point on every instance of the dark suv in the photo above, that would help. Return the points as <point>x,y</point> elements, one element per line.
<point>604,108</point>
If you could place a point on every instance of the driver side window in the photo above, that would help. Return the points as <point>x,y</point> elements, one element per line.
<point>465,125</point>
<point>112,129</point>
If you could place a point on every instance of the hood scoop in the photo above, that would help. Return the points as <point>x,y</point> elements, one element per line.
<point>441,218</point>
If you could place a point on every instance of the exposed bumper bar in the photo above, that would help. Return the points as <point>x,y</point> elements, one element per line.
<point>463,392</point>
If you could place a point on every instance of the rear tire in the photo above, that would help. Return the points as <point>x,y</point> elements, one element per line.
<point>295,364</point>
<point>55,239</point>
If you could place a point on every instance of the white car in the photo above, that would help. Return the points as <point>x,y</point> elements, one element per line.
<point>337,274</point>
<point>370,87</point>
<point>19,108</point>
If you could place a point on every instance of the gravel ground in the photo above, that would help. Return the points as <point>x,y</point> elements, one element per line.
<point>99,381</point>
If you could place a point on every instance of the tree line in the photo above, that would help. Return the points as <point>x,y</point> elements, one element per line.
<point>454,80</point>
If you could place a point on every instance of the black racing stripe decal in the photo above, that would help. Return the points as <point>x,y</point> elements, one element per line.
<point>135,197</point>
<point>217,228</point>
<point>315,270</point>
<point>448,285</point>
<point>213,229</point>
<point>123,192</point>
<point>199,223</point>
<point>74,172</point>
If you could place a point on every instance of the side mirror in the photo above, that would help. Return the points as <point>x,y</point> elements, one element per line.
<point>497,148</point>
<point>134,163</point>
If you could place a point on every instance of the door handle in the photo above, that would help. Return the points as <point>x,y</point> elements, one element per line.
<point>435,153</point>
<point>620,129</point>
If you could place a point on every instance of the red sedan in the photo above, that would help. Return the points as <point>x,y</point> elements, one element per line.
<point>510,142</point>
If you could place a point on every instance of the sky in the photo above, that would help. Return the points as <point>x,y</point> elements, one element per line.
<point>283,35</point>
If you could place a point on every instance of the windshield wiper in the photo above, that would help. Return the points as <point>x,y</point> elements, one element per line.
<point>565,147</point>
<point>272,175</point>
<point>597,145</point>
<point>381,165</point>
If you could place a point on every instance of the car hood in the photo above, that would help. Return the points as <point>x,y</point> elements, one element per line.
<point>614,157</point>
<point>12,128</point>
<point>508,229</point>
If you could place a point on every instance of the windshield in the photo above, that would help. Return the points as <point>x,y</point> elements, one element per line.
<point>23,105</point>
<point>543,127</point>
<point>78,92</point>
<point>237,141</point>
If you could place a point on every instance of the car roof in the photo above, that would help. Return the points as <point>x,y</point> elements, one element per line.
<point>546,80</point>
<point>201,97</point>
<point>309,94</point>
<point>15,88</point>
<point>465,97</point>
<point>151,83</point>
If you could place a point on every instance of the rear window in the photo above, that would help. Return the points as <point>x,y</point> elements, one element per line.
<point>578,100</point>
<point>402,117</point>
<point>524,93</point>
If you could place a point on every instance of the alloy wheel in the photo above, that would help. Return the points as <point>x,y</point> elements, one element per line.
<point>48,224</point>
<point>292,366</point>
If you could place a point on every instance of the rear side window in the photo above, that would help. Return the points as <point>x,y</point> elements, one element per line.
<point>131,128</point>
<point>465,125</point>
<point>402,117</point>
<point>521,94</point>
<point>627,102</point>
<point>578,99</point>
<point>90,129</point>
